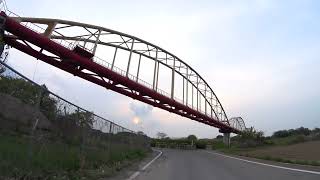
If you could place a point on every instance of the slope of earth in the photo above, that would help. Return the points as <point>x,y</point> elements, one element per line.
<point>303,151</point>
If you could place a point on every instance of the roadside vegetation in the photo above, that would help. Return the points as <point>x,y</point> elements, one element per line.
<point>60,160</point>
<point>190,142</point>
<point>42,137</point>
<point>298,146</point>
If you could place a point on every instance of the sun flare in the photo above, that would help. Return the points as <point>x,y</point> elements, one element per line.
<point>136,120</point>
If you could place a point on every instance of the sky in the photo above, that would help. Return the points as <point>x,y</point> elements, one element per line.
<point>260,57</point>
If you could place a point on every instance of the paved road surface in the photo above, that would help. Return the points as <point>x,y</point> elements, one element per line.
<point>201,165</point>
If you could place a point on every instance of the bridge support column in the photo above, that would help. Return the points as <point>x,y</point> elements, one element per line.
<point>226,139</point>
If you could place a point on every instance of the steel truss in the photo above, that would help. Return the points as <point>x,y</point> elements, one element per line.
<point>74,47</point>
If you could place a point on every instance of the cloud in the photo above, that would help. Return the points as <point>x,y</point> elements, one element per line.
<point>140,110</point>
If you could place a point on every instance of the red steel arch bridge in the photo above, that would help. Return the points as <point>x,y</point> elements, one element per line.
<point>93,52</point>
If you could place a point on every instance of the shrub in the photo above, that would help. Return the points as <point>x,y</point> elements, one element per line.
<point>315,163</point>
<point>292,132</point>
<point>201,145</point>
<point>218,145</point>
<point>298,139</point>
<point>268,142</point>
<point>153,143</point>
<point>192,138</point>
<point>266,157</point>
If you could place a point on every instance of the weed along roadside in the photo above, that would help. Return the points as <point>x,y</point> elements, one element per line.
<point>295,146</point>
<point>43,135</point>
<point>185,143</point>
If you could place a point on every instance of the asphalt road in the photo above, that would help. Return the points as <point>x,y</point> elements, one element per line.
<point>201,165</point>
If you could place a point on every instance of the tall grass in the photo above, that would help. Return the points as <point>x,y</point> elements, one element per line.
<point>20,157</point>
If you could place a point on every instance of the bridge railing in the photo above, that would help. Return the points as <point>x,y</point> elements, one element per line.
<point>210,106</point>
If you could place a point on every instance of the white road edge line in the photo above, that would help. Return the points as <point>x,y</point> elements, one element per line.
<point>134,175</point>
<point>263,164</point>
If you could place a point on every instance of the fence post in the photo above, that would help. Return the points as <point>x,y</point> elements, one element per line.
<point>110,139</point>
<point>110,129</point>
<point>82,156</point>
<point>34,126</point>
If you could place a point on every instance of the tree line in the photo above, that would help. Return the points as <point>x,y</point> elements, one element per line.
<point>298,131</point>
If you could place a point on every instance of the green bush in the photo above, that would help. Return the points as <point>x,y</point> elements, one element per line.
<point>298,139</point>
<point>19,157</point>
<point>162,145</point>
<point>201,145</point>
<point>218,145</point>
<point>268,142</point>
<point>153,143</point>
<point>292,132</point>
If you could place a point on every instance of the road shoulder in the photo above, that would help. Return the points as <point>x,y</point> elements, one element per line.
<point>267,162</point>
<point>134,167</point>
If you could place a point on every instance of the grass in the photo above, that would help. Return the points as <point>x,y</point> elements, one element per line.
<point>20,158</point>
<point>288,140</point>
<point>246,153</point>
<point>218,145</point>
<point>290,161</point>
<point>277,142</point>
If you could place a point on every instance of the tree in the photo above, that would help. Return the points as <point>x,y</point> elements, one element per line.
<point>260,136</point>
<point>219,137</point>
<point>292,132</point>
<point>250,138</point>
<point>192,138</point>
<point>30,94</point>
<point>281,133</point>
<point>303,131</point>
<point>161,135</point>
<point>316,130</point>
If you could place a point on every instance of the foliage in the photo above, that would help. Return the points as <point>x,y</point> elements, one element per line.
<point>292,132</point>
<point>252,138</point>
<point>189,142</point>
<point>218,145</point>
<point>19,159</point>
<point>201,144</point>
<point>192,138</point>
<point>82,119</point>
<point>291,161</point>
<point>161,135</point>
<point>69,149</point>
<point>20,89</point>
<point>153,143</point>
<point>249,138</point>
<point>171,141</point>
<point>29,94</point>
<point>48,106</point>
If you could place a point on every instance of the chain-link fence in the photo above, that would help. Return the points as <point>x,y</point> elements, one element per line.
<point>42,132</point>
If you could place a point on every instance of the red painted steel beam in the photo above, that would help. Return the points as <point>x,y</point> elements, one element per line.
<point>28,50</point>
<point>45,43</point>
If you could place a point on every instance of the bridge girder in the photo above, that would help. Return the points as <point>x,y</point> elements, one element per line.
<point>25,33</point>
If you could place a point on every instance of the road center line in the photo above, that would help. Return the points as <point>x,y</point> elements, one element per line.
<point>134,175</point>
<point>263,164</point>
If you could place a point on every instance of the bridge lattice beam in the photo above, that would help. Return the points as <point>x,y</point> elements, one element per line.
<point>107,75</point>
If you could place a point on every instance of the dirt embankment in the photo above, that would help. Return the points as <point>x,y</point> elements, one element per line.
<point>303,151</point>
<point>18,116</point>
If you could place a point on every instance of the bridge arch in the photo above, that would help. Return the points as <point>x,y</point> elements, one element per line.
<point>88,40</point>
<point>238,123</point>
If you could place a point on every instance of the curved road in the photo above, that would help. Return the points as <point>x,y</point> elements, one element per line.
<point>207,165</point>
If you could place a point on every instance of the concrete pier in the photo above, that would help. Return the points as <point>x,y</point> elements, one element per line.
<point>226,139</point>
